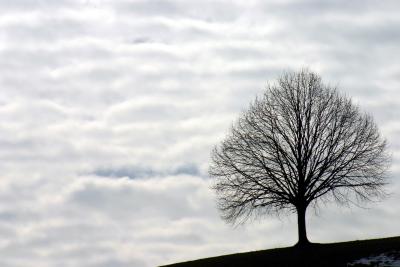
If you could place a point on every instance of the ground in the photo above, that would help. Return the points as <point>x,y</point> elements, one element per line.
<point>383,252</point>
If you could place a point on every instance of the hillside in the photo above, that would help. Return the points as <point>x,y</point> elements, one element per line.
<point>374,252</point>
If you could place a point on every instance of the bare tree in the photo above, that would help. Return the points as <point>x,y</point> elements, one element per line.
<point>300,143</point>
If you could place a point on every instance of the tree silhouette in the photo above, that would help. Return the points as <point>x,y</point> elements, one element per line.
<point>300,143</point>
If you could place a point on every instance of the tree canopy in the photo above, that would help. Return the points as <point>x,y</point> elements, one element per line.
<point>300,143</point>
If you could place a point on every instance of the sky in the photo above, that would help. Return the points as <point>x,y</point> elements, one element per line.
<point>109,110</point>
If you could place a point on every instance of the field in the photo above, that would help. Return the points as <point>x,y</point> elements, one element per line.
<point>375,252</point>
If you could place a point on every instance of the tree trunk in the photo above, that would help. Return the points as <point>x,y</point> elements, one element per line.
<point>301,226</point>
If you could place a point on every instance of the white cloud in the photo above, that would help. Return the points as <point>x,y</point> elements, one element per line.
<point>94,92</point>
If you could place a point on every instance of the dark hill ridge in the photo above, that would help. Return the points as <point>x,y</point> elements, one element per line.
<point>322,255</point>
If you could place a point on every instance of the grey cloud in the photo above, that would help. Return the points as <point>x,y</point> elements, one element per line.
<point>318,9</point>
<point>119,263</point>
<point>152,7</point>
<point>109,110</point>
<point>142,172</point>
<point>144,110</point>
<point>88,234</point>
<point>124,172</point>
<point>140,198</point>
<point>211,11</point>
<point>31,5</point>
<point>45,30</point>
<point>7,231</point>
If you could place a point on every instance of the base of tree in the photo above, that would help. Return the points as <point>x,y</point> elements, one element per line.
<point>303,244</point>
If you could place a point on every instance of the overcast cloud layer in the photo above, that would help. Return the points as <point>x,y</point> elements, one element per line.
<point>109,110</point>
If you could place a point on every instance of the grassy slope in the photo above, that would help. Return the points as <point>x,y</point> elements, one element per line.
<point>329,255</point>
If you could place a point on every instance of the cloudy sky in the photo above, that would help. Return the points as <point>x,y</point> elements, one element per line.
<point>109,110</point>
